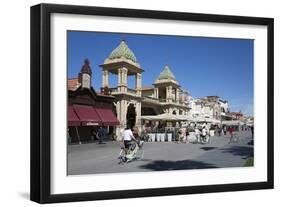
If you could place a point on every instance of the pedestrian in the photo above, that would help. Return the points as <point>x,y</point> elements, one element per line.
<point>187,135</point>
<point>93,134</point>
<point>204,135</point>
<point>197,134</point>
<point>101,134</point>
<point>224,130</point>
<point>230,130</point>
<point>179,136</point>
<point>219,131</point>
<point>136,133</point>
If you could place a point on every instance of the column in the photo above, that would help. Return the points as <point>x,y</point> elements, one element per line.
<point>119,80</point>
<point>119,127</point>
<point>156,93</point>
<point>157,90</point>
<point>124,79</point>
<point>167,94</point>
<point>177,95</point>
<point>171,93</point>
<point>138,115</point>
<point>105,82</point>
<point>124,113</point>
<point>138,83</point>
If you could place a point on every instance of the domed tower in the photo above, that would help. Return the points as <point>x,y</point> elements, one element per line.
<point>167,88</point>
<point>123,63</point>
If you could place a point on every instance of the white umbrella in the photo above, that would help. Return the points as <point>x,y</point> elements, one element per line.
<point>168,117</point>
<point>232,123</point>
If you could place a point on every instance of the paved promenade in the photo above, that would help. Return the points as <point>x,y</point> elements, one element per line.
<point>94,158</point>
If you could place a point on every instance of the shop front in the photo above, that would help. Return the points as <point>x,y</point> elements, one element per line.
<point>87,110</point>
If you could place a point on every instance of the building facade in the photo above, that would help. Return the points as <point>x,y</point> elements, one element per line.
<point>87,110</point>
<point>209,107</point>
<point>131,103</point>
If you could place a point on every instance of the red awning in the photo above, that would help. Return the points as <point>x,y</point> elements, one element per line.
<point>72,118</point>
<point>107,116</point>
<point>88,116</point>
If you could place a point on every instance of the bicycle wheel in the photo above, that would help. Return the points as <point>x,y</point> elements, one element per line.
<point>122,156</point>
<point>139,154</point>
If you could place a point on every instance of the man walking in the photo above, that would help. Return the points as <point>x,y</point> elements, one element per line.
<point>101,134</point>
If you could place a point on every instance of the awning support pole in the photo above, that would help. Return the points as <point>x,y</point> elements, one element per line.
<point>78,135</point>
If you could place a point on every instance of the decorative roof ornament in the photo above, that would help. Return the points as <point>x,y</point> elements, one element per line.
<point>123,51</point>
<point>166,74</point>
<point>86,67</point>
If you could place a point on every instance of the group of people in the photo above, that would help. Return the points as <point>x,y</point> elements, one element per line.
<point>202,135</point>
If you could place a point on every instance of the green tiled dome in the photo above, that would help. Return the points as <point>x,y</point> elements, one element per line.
<point>166,74</point>
<point>123,51</point>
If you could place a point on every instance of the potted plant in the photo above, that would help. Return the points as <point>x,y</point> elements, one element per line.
<point>153,135</point>
<point>169,135</point>
<point>162,134</point>
<point>159,135</point>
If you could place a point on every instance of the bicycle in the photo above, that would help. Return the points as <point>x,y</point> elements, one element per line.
<point>233,138</point>
<point>135,152</point>
<point>204,139</point>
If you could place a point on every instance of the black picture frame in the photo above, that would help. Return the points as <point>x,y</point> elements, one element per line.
<point>41,96</point>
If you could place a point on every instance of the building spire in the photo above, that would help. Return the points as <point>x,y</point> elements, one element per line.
<point>86,67</point>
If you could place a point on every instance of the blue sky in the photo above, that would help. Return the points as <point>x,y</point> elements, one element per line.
<point>203,66</point>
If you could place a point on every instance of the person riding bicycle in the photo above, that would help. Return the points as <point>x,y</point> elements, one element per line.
<point>128,137</point>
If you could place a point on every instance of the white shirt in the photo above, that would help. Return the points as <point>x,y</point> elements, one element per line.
<point>128,135</point>
<point>204,132</point>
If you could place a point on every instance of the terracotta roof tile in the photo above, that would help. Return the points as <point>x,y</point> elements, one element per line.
<point>73,84</point>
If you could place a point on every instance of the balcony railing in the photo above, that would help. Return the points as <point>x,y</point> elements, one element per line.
<point>149,98</point>
<point>129,90</point>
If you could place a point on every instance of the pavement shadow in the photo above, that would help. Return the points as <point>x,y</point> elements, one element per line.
<point>242,151</point>
<point>159,165</point>
<point>251,142</point>
<point>208,148</point>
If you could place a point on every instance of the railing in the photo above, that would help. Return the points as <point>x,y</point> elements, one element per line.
<point>115,89</point>
<point>129,90</point>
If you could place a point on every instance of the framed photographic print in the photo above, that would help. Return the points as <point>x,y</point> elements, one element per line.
<point>134,103</point>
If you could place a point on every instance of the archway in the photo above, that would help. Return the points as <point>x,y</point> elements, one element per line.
<point>131,115</point>
<point>174,112</point>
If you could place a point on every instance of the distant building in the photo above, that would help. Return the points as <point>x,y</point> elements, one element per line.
<point>209,107</point>
<point>237,116</point>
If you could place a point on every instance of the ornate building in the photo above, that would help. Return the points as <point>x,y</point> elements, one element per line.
<point>132,103</point>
